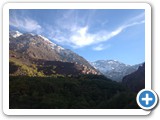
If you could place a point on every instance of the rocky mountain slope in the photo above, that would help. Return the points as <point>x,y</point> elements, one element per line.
<point>37,55</point>
<point>113,69</point>
<point>136,80</point>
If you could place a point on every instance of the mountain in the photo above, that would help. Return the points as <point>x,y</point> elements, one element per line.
<point>113,69</point>
<point>44,75</point>
<point>38,55</point>
<point>136,80</point>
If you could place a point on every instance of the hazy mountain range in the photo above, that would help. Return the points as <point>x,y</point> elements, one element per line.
<point>113,69</point>
<point>36,55</point>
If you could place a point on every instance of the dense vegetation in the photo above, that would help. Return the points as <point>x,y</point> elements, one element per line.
<point>81,92</point>
<point>44,75</point>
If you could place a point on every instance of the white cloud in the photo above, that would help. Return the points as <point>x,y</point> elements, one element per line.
<point>82,37</point>
<point>139,17</point>
<point>100,47</point>
<point>71,32</point>
<point>27,24</point>
<point>72,29</point>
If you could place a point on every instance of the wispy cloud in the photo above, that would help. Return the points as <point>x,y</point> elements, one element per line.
<point>24,23</point>
<point>75,34</point>
<point>139,17</point>
<point>100,47</point>
<point>81,37</point>
<point>72,28</point>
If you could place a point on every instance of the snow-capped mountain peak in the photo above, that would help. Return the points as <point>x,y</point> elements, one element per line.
<point>46,39</point>
<point>15,34</point>
<point>40,48</point>
<point>114,69</point>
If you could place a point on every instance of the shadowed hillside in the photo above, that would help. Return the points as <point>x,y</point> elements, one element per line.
<point>44,75</point>
<point>83,92</point>
<point>136,80</point>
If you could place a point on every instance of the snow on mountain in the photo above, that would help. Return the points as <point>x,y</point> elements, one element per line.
<point>40,48</point>
<point>46,39</point>
<point>113,69</point>
<point>54,46</point>
<point>15,33</point>
<point>28,39</point>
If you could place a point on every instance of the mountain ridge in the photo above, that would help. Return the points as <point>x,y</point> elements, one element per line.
<point>43,76</point>
<point>28,48</point>
<point>114,69</point>
<point>136,80</point>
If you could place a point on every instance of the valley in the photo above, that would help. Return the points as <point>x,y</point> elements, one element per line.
<point>44,75</point>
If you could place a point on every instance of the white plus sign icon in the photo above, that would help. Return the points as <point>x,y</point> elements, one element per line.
<point>147,99</point>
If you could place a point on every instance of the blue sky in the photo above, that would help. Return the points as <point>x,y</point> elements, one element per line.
<point>117,34</point>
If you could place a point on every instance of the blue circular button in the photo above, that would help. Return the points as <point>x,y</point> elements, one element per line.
<point>147,99</point>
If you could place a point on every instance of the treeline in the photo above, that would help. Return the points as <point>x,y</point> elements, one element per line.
<point>82,92</point>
